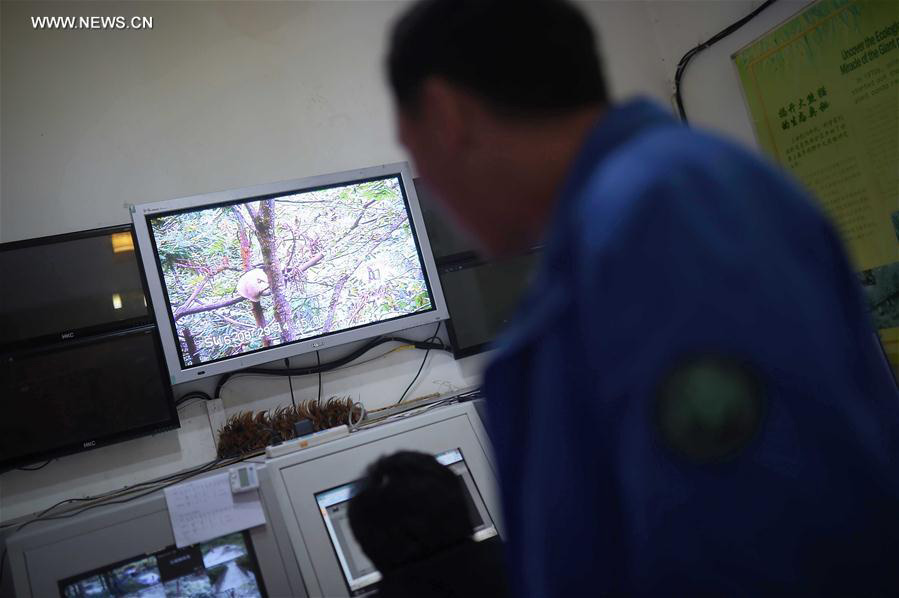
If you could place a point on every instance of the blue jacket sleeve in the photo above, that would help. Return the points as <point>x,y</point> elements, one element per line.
<point>676,261</point>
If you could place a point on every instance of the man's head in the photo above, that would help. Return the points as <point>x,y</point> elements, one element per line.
<point>493,99</point>
<point>408,507</point>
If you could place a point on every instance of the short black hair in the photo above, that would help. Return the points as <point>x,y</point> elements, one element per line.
<point>407,508</point>
<point>531,56</point>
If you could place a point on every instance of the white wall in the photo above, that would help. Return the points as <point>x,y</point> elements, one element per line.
<point>710,87</point>
<point>228,94</point>
<point>216,95</point>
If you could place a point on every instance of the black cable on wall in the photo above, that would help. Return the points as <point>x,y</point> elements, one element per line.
<point>685,60</point>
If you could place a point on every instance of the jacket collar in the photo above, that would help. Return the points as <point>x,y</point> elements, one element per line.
<point>617,126</point>
<point>614,128</point>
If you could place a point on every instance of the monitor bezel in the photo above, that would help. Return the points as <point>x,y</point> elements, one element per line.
<point>171,422</point>
<point>179,373</point>
<point>86,331</point>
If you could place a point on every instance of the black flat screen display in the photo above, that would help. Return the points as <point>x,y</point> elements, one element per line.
<point>482,298</point>
<point>481,294</point>
<point>82,394</point>
<point>69,286</point>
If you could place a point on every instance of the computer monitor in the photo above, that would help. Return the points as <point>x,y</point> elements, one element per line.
<point>225,566</point>
<point>358,571</point>
<point>83,394</point>
<point>481,294</point>
<point>70,286</point>
<point>482,297</point>
<point>81,363</point>
<point>244,277</point>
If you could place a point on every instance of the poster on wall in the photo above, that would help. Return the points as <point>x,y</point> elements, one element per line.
<point>822,91</point>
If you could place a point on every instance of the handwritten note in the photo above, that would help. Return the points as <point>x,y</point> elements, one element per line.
<point>205,509</point>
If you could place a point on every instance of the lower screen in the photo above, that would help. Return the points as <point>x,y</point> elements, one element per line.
<point>358,571</point>
<point>220,568</point>
<point>82,393</point>
<point>481,299</point>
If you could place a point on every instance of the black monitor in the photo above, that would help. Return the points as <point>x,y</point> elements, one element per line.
<point>225,566</point>
<point>482,297</point>
<point>70,286</point>
<point>83,394</point>
<point>81,363</point>
<point>481,294</point>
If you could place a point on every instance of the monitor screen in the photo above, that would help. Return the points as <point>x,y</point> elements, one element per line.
<point>448,241</point>
<point>306,264</point>
<point>482,298</point>
<point>481,294</point>
<point>69,286</point>
<point>225,567</point>
<point>82,394</point>
<point>359,572</point>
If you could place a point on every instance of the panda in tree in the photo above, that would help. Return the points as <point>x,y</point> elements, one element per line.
<point>252,284</point>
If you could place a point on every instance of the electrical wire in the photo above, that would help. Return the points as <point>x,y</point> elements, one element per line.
<point>685,60</point>
<point>182,405</point>
<point>422,366</point>
<point>125,490</point>
<point>171,482</point>
<point>318,360</point>
<point>245,374</point>
<point>36,467</point>
<point>332,365</point>
<point>354,425</point>
<point>417,374</point>
<point>293,400</point>
<point>196,394</point>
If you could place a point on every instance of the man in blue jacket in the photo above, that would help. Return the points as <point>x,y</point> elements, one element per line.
<point>691,398</point>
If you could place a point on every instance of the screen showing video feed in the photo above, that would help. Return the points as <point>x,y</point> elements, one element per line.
<point>225,567</point>
<point>244,276</point>
<point>358,571</point>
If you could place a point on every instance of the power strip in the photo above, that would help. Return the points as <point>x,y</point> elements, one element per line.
<point>321,437</point>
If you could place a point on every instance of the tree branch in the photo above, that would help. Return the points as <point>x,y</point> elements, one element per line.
<point>265,225</point>
<point>361,213</point>
<point>203,268</point>
<point>243,221</point>
<point>370,248</point>
<point>311,262</point>
<point>306,201</point>
<point>210,306</point>
<point>193,296</point>
<point>254,214</point>
<point>293,247</point>
<point>356,222</point>
<point>360,305</point>
<point>335,299</point>
<point>236,323</point>
<point>191,344</point>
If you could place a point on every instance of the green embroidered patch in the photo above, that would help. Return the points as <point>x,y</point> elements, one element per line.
<point>709,408</point>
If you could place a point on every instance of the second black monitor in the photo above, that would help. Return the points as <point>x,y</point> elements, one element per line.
<point>481,294</point>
